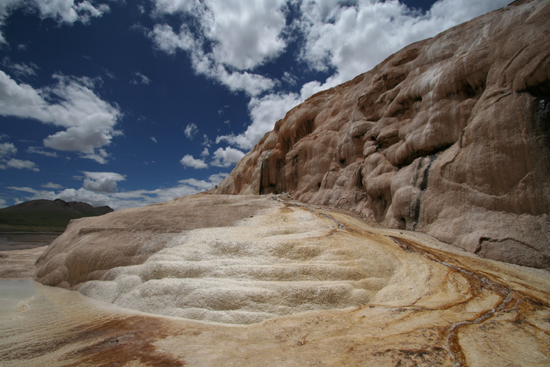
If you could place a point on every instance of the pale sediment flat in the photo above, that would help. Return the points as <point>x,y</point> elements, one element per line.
<point>10,241</point>
<point>290,285</point>
<point>19,263</point>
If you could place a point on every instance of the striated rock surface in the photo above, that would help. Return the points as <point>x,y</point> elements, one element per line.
<point>289,283</point>
<point>91,247</point>
<point>449,136</point>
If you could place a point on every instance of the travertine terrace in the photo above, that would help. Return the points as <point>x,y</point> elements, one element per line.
<point>281,283</point>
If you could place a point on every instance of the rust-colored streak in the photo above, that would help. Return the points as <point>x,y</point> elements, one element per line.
<point>119,341</point>
<point>510,299</point>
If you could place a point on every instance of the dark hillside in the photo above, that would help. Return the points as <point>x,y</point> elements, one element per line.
<point>46,213</point>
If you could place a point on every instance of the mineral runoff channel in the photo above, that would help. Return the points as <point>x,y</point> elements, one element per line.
<point>438,306</point>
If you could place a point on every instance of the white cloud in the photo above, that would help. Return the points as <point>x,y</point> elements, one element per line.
<point>205,153</point>
<point>190,131</point>
<point>206,141</point>
<point>68,11</point>
<point>226,157</point>
<point>39,150</point>
<point>89,121</point>
<point>353,37</point>
<point>6,7</point>
<point>102,181</point>
<point>51,185</point>
<point>239,34</point>
<point>140,79</point>
<point>264,112</point>
<point>63,11</point>
<point>189,161</point>
<point>21,164</point>
<point>168,41</point>
<point>21,69</point>
<point>7,149</point>
<point>289,78</point>
<point>243,33</point>
<point>124,199</point>
<point>154,139</point>
<point>213,180</point>
<point>455,12</point>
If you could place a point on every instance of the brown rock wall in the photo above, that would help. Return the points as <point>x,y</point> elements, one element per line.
<point>449,136</point>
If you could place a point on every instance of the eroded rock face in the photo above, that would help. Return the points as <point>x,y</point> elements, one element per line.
<point>449,136</point>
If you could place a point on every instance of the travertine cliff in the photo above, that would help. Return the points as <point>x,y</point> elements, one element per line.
<point>449,136</point>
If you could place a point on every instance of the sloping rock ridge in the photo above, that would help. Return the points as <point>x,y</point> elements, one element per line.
<point>449,136</point>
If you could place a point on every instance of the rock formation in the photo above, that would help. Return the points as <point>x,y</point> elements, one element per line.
<point>298,283</point>
<point>449,136</point>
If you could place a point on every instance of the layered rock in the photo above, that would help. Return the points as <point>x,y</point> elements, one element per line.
<point>449,136</point>
<point>300,285</point>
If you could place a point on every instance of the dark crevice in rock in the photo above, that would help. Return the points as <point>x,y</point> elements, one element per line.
<point>304,129</point>
<point>264,158</point>
<point>414,210</point>
<point>422,153</point>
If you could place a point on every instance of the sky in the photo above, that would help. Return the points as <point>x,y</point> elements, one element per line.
<point>132,102</point>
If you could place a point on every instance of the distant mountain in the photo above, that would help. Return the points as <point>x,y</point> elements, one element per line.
<point>54,215</point>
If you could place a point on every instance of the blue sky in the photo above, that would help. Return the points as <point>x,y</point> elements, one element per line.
<point>127,103</point>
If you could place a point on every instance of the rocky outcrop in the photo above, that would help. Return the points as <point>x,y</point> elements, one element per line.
<point>449,136</point>
<point>90,247</point>
<point>300,285</point>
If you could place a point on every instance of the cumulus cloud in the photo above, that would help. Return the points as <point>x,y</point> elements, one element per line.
<point>124,199</point>
<point>264,112</point>
<point>102,181</point>
<point>206,142</point>
<point>353,37</point>
<point>7,149</point>
<point>69,11</point>
<point>63,11</point>
<point>20,164</point>
<point>189,161</point>
<point>190,131</point>
<point>231,37</point>
<point>140,79</point>
<point>243,33</point>
<point>213,180</point>
<point>21,70</point>
<point>225,157</point>
<point>89,121</point>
